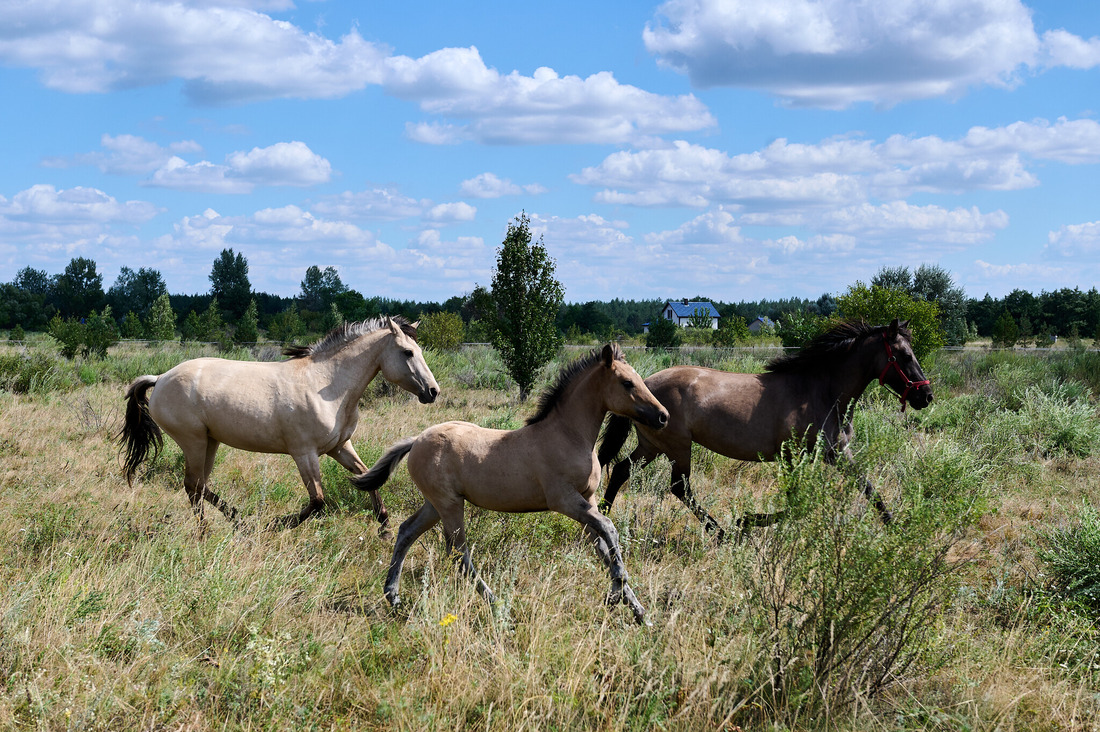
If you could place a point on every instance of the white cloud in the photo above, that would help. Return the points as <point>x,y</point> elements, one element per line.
<point>512,108</point>
<point>127,155</point>
<point>281,164</point>
<point>1075,240</point>
<point>449,213</point>
<point>488,185</point>
<point>1065,49</point>
<point>44,204</point>
<point>832,53</point>
<point>377,204</point>
<point>840,170</point>
<point>236,54</point>
<point>713,227</point>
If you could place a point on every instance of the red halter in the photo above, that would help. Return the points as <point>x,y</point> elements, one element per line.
<point>892,361</point>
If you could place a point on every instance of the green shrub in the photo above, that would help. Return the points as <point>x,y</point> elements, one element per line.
<point>1072,556</point>
<point>849,606</point>
<point>441,331</point>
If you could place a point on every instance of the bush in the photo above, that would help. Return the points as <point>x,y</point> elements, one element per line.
<point>33,373</point>
<point>663,333</point>
<point>1072,556</point>
<point>440,331</point>
<point>797,329</point>
<point>849,606</point>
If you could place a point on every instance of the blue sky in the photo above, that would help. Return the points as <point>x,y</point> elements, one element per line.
<point>736,150</point>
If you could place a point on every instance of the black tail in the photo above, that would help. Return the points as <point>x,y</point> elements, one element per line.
<point>376,477</point>
<point>613,438</point>
<point>139,432</point>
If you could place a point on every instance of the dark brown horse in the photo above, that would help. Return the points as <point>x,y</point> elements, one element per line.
<point>548,465</point>
<point>807,394</point>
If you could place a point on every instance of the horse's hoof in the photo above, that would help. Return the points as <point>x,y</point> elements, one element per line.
<point>394,600</point>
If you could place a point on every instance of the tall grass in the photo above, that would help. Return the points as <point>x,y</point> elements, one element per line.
<point>118,612</point>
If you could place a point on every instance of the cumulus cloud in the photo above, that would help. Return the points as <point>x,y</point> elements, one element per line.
<point>233,54</point>
<point>832,53</point>
<point>1075,240</point>
<point>479,103</point>
<point>376,204</point>
<point>449,213</point>
<point>281,164</point>
<point>127,155</point>
<point>488,185</point>
<point>786,175</point>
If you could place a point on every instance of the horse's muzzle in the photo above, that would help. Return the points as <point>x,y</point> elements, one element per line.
<point>427,396</point>
<point>920,398</point>
<point>656,419</point>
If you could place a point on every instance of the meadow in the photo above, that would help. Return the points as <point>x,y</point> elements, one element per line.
<point>976,609</point>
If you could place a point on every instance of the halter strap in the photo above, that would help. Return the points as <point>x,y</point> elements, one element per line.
<point>891,360</point>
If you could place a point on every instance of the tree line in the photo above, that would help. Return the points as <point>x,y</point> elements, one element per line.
<point>231,311</point>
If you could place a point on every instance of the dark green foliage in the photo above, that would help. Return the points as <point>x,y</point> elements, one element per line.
<point>136,291</point>
<point>1005,331</point>
<point>663,333</point>
<point>205,328</point>
<point>526,299</point>
<point>286,326</point>
<point>161,323</point>
<point>79,290</point>
<point>248,327</point>
<point>92,337</point>
<point>16,333</point>
<point>229,283</point>
<point>320,288</point>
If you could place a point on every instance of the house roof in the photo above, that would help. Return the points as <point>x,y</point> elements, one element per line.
<point>686,310</point>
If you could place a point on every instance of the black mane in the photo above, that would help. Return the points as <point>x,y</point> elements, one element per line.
<point>553,395</point>
<point>344,334</point>
<point>827,347</point>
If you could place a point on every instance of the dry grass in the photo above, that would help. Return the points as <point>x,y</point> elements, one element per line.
<point>118,612</point>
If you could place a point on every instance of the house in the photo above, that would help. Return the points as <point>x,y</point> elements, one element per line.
<point>681,312</point>
<point>762,323</point>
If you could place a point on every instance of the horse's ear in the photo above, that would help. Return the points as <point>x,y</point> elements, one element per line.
<point>392,325</point>
<point>415,325</point>
<point>607,355</point>
<point>893,327</point>
<point>904,324</point>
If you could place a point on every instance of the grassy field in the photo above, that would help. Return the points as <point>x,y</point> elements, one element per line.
<point>976,609</point>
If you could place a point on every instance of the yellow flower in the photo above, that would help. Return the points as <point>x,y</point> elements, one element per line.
<point>448,619</point>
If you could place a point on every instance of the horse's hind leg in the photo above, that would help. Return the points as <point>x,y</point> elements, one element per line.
<point>411,530</point>
<point>228,511</point>
<point>454,530</point>
<point>620,474</point>
<point>681,488</point>
<point>346,456</point>
<point>309,467</point>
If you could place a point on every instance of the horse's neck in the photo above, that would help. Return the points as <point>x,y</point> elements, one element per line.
<point>851,377</point>
<point>357,363</point>
<point>577,415</point>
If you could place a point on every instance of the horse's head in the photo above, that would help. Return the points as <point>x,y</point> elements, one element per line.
<point>626,394</point>
<point>900,370</point>
<point>403,362</point>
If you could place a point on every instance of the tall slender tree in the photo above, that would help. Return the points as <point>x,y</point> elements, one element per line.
<point>526,298</point>
<point>229,283</point>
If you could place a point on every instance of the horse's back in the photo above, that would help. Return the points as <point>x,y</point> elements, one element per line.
<point>502,470</point>
<point>235,402</point>
<point>743,416</point>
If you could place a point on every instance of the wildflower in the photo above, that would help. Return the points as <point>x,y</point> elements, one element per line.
<point>448,619</point>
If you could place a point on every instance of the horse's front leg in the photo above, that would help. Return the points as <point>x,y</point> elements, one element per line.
<point>345,455</point>
<point>847,461</point>
<point>681,488</point>
<point>606,538</point>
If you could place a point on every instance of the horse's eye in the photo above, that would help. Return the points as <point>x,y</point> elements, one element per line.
<point>628,385</point>
<point>408,353</point>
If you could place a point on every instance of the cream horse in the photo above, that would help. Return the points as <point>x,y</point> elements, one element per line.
<point>305,407</point>
<point>548,465</point>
